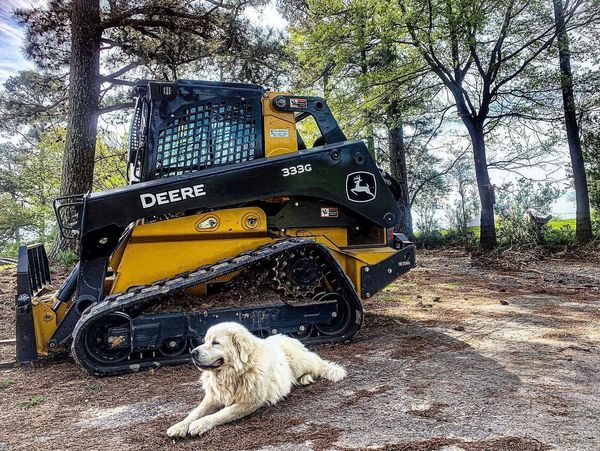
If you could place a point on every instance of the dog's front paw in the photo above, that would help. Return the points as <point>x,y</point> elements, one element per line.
<point>178,430</point>
<point>198,427</point>
<point>306,379</point>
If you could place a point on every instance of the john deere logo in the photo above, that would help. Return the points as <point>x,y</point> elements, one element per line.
<point>361,186</point>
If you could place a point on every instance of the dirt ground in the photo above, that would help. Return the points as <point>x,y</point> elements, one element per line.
<point>452,356</point>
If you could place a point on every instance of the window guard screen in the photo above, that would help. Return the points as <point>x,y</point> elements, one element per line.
<point>209,134</point>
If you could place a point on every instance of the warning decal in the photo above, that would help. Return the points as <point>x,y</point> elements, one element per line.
<point>330,212</point>
<point>279,133</point>
<point>298,103</point>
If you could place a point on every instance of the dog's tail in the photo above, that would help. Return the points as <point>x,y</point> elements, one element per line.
<point>331,371</point>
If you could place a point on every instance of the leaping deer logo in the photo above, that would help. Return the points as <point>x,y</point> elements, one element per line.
<point>358,188</point>
<point>361,186</point>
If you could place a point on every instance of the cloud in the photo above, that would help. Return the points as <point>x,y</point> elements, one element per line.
<point>12,58</point>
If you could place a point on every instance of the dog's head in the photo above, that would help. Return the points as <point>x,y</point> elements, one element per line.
<point>226,345</point>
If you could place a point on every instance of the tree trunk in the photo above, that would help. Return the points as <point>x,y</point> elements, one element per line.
<point>399,172</point>
<point>487,237</point>
<point>583,233</point>
<point>464,221</point>
<point>371,142</point>
<point>80,143</point>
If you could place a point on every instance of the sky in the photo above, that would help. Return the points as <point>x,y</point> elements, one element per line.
<point>12,60</point>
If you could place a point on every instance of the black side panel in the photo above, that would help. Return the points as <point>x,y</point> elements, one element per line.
<point>375,277</point>
<point>312,213</point>
<point>330,173</point>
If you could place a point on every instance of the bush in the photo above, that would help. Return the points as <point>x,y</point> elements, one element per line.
<point>461,237</point>
<point>559,236</point>
<point>596,226</point>
<point>68,259</point>
<point>514,200</point>
<point>514,230</point>
<point>430,238</point>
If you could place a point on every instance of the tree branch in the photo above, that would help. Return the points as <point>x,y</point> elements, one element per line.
<point>115,107</point>
<point>120,72</point>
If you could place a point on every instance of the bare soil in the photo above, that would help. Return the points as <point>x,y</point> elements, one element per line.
<point>453,356</point>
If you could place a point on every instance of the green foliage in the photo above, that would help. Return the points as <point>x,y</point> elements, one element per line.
<point>565,234</point>
<point>141,39</point>
<point>461,237</point>
<point>596,226</point>
<point>5,383</point>
<point>67,259</point>
<point>31,402</point>
<point>426,185</point>
<point>430,238</point>
<point>591,149</point>
<point>348,52</point>
<point>428,224</point>
<point>30,177</point>
<point>557,232</point>
<point>30,174</point>
<point>110,170</point>
<point>33,98</point>
<point>513,202</point>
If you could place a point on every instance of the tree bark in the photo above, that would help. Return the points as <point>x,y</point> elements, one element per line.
<point>371,142</point>
<point>487,226</point>
<point>80,142</point>
<point>583,221</point>
<point>398,170</point>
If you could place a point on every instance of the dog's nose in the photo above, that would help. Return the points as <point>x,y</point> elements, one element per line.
<point>195,353</point>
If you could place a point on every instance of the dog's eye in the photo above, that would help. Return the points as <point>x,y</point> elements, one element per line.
<point>215,342</point>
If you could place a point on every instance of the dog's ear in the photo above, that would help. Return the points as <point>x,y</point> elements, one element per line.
<point>244,344</point>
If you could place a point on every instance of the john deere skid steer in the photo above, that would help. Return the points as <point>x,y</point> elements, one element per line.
<point>227,217</point>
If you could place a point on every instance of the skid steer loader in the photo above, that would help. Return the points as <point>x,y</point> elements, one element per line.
<point>227,217</point>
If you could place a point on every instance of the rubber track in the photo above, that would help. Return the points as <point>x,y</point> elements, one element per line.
<point>139,296</point>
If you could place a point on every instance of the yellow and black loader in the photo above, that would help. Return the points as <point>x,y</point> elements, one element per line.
<point>227,217</point>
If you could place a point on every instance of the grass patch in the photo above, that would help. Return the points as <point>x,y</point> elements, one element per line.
<point>7,266</point>
<point>5,383</point>
<point>555,224</point>
<point>476,231</point>
<point>405,284</point>
<point>94,386</point>
<point>31,402</point>
<point>452,283</point>
<point>560,223</point>
<point>392,297</point>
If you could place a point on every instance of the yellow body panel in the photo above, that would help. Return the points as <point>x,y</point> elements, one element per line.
<point>279,128</point>
<point>45,320</point>
<point>164,249</point>
<point>357,258</point>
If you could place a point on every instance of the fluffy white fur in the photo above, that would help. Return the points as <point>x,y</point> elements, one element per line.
<point>241,373</point>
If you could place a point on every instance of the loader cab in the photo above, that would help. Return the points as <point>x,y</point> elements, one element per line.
<point>188,126</point>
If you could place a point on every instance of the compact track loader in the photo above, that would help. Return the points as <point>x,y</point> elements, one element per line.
<point>227,217</point>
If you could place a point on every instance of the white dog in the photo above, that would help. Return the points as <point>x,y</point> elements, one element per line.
<point>241,373</point>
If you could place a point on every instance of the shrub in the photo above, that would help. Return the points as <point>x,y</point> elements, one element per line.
<point>514,200</point>
<point>430,238</point>
<point>67,258</point>
<point>559,236</point>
